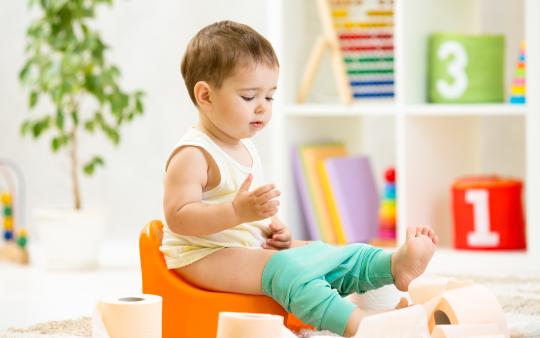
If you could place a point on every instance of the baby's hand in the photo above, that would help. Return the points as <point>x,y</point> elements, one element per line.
<point>279,239</point>
<point>257,204</point>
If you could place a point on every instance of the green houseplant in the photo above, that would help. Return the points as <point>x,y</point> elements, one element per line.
<point>70,80</point>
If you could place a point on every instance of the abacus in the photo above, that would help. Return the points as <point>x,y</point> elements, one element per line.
<point>11,195</point>
<point>360,37</point>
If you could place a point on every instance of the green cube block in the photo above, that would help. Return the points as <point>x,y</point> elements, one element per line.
<point>465,68</point>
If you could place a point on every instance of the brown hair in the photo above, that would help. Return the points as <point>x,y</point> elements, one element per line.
<point>213,53</point>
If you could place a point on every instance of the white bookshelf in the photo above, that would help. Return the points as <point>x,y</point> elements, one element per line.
<point>429,144</point>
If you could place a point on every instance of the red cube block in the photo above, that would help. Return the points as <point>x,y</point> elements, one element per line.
<point>488,213</point>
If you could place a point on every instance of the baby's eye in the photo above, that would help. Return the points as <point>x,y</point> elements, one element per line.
<point>247,98</point>
<point>269,99</point>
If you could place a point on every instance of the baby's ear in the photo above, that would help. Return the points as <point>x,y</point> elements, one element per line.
<point>201,92</point>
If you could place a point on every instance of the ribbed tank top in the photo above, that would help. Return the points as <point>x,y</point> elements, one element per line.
<point>180,250</point>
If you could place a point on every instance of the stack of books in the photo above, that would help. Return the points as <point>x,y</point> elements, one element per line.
<point>338,195</point>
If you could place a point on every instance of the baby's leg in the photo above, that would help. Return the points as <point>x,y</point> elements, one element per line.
<point>297,279</point>
<point>365,270</point>
<point>237,270</point>
<point>240,270</point>
<point>408,262</point>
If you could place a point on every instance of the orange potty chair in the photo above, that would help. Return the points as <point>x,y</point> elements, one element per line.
<point>188,311</point>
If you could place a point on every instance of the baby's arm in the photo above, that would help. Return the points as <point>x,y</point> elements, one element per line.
<point>185,180</point>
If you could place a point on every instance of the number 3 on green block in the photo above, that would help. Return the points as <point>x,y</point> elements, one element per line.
<point>456,70</point>
<point>465,68</point>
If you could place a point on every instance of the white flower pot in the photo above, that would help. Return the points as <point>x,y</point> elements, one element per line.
<point>70,238</point>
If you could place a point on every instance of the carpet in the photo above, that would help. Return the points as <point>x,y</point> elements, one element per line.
<point>519,297</point>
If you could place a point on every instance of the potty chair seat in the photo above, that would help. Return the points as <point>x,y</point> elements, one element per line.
<point>189,311</point>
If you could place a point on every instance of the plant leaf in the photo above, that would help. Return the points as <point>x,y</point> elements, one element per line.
<point>90,167</point>
<point>34,96</point>
<point>26,127</point>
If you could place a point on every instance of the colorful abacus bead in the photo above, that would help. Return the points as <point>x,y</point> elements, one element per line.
<point>8,211</point>
<point>22,237</point>
<point>8,235</point>
<point>6,198</point>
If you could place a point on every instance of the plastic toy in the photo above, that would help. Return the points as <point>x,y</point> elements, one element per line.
<point>189,311</point>
<point>387,211</point>
<point>488,213</point>
<point>465,68</point>
<point>14,249</point>
<point>518,91</point>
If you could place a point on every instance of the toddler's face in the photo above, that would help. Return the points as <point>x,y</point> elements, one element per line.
<point>243,105</point>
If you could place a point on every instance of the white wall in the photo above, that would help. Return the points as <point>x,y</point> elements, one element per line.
<point>147,40</point>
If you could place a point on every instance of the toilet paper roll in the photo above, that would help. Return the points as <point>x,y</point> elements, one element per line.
<point>249,325</point>
<point>428,286</point>
<point>383,298</point>
<point>431,305</point>
<point>135,316</point>
<point>409,322</point>
<point>473,304</point>
<point>464,330</point>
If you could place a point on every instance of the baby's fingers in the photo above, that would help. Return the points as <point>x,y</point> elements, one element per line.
<point>269,206</point>
<point>267,196</point>
<point>276,227</point>
<point>278,244</point>
<point>263,189</point>
<point>281,237</point>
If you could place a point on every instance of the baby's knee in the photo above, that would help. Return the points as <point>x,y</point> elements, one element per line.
<point>309,296</point>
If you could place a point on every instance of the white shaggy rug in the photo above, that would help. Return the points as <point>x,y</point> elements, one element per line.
<point>518,296</point>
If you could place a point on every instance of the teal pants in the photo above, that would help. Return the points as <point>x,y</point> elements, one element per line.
<point>310,281</point>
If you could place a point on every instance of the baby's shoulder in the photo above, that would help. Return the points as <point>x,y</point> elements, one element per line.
<point>187,156</point>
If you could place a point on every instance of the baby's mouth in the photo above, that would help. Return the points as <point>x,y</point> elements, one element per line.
<point>257,124</point>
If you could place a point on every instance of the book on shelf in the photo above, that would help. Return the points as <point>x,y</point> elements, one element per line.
<point>354,193</point>
<point>337,193</point>
<point>315,210</point>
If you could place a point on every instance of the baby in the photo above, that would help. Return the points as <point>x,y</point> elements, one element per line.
<point>222,230</point>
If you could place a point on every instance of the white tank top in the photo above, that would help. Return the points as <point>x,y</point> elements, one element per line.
<point>182,250</point>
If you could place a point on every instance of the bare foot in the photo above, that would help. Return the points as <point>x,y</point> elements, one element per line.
<point>412,258</point>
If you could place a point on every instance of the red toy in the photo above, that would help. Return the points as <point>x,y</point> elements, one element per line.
<point>488,213</point>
